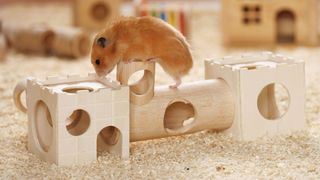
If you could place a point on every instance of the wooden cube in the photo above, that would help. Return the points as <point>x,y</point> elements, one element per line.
<point>70,118</point>
<point>252,79</point>
<point>95,14</point>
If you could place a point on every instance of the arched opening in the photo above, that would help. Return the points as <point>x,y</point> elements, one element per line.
<point>285,27</point>
<point>108,138</point>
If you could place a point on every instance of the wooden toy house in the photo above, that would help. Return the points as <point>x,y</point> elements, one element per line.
<point>269,21</point>
<point>256,81</point>
<point>73,118</point>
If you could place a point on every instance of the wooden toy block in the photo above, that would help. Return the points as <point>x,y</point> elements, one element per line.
<point>70,118</point>
<point>162,112</point>
<point>194,107</point>
<point>30,39</point>
<point>3,48</point>
<point>73,118</point>
<point>70,42</point>
<point>175,13</point>
<point>252,79</point>
<point>95,14</point>
<point>269,22</point>
<point>142,91</point>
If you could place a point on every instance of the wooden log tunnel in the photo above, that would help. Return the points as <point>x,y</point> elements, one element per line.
<point>161,112</point>
<point>40,38</point>
<point>30,39</point>
<point>70,42</point>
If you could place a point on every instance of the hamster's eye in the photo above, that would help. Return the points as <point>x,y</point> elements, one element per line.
<point>102,42</point>
<point>97,61</point>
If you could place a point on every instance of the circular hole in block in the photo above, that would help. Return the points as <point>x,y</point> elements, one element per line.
<point>257,8</point>
<point>43,125</point>
<point>245,8</point>
<point>141,82</point>
<point>78,122</point>
<point>136,77</point>
<point>110,135</point>
<point>107,138</point>
<point>75,89</point>
<point>179,116</point>
<point>273,101</point>
<point>100,11</point>
<point>246,20</point>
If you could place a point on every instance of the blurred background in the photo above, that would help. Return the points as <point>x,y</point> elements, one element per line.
<point>41,33</point>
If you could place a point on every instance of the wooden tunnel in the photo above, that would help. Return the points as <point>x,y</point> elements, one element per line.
<point>70,42</point>
<point>161,112</point>
<point>30,39</point>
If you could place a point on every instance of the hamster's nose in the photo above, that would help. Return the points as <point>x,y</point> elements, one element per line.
<point>97,61</point>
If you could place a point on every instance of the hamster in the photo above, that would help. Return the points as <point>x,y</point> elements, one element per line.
<point>144,39</point>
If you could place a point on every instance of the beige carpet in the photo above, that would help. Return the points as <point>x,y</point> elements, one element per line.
<point>204,155</point>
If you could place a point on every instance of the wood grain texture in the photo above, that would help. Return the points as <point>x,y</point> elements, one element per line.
<point>196,106</point>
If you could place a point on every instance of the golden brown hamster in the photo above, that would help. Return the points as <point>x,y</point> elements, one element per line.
<point>145,39</point>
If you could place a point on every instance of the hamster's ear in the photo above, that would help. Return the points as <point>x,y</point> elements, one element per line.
<point>102,42</point>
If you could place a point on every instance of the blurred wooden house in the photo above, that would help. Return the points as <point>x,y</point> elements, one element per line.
<point>270,21</point>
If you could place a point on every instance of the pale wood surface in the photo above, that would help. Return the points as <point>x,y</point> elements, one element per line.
<point>212,107</point>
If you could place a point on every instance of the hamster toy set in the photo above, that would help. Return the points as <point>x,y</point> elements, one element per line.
<point>71,118</point>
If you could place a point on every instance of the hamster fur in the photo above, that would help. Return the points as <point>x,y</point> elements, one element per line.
<point>142,39</point>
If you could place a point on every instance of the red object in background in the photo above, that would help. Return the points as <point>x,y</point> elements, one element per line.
<point>143,13</point>
<point>143,10</point>
<point>183,22</point>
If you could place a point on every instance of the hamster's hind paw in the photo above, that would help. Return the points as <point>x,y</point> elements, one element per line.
<point>176,85</point>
